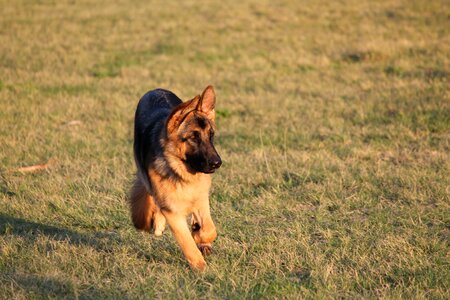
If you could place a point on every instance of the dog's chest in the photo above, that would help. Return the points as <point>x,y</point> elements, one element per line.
<point>185,197</point>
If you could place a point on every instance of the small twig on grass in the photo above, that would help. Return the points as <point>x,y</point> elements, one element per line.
<point>33,168</point>
<point>72,123</point>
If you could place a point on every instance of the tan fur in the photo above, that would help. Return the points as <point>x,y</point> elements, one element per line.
<point>145,214</point>
<point>177,192</point>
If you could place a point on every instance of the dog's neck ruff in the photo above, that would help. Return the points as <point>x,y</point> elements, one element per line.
<point>173,169</point>
<point>164,169</point>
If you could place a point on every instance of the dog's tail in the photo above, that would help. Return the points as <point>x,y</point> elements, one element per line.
<point>142,206</point>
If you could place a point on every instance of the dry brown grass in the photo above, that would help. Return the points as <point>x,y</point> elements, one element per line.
<point>333,127</point>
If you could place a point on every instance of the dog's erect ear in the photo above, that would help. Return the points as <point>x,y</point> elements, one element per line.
<point>180,111</point>
<point>208,102</point>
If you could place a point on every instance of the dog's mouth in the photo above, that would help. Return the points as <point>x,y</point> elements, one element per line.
<point>196,167</point>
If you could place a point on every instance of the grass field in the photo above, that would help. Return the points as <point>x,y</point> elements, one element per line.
<point>334,129</point>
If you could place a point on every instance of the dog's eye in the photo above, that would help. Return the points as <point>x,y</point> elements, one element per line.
<point>195,136</point>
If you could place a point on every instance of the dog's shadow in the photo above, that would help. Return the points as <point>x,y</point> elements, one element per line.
<point>43,287</point>
<point>32,230</point>
<point>99,241</point>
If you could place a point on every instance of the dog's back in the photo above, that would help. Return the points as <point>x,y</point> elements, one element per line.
<point>152,111</point>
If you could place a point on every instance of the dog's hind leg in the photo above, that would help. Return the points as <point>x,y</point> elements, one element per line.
<point>144,212</point>
<point>160,222</point>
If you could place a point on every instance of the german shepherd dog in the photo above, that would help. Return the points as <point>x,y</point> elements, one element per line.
<point>175,157</point>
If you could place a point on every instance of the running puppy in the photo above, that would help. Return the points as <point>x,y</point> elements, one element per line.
<point>175,156</point>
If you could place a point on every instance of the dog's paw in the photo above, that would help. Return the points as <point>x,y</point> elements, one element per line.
<point>205,249</point>
<point>195,227</point>
<point>199,265</point>
<point>159,223</point>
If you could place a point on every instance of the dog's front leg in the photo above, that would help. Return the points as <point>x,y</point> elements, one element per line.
<point>180,229</point>
<point>203,228</point>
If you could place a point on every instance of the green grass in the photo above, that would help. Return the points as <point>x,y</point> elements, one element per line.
<point>334,129</point>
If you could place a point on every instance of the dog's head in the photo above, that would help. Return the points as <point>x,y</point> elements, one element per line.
<point>190,133</point>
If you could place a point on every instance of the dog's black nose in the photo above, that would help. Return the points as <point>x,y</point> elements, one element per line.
<point>216,163</point>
